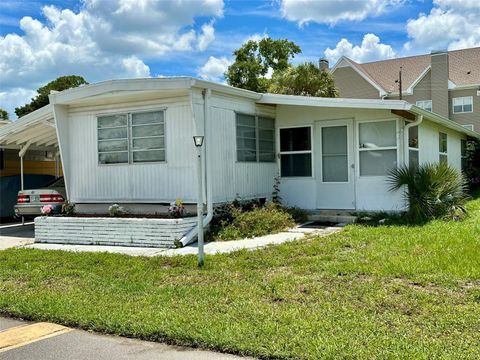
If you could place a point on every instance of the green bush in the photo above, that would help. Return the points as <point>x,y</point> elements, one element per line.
<point>258,221</point>
<point>432,191</point>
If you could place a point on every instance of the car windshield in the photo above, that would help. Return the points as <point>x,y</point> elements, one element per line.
<point>55,183</point>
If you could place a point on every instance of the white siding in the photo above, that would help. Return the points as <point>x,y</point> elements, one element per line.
<point>428,144</point>
<point>233,179</point>
<point>89,181</point>
<point>371,193</point>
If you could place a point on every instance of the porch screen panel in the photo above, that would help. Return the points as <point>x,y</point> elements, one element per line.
<point>334,154</point>
<point>377,147</point>
<point>296,152</point>
<point>112,137</point>
<point>148,137</point>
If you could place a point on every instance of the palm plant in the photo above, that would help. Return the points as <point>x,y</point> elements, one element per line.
<point>432,191</point>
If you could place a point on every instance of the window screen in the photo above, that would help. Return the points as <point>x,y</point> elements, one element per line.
<point>295,152</point>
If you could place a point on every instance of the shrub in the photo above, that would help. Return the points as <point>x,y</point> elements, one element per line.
<point>258,221</point>
<point>432,191</point>
<point>68,208</point>
<point>472,166</point>
<point>116,210</point>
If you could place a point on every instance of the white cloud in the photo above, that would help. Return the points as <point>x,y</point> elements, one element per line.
<point>330,12</point>
<point>206,37</point>
<point>214,68</point>
<point>371,49</point>
<point>451,24</point>
<point>103,40</point>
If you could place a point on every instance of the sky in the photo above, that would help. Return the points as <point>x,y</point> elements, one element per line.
<point>111,39</point>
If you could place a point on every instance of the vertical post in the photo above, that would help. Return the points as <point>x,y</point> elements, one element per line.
<point>21,182</point>
<point>201,255</point>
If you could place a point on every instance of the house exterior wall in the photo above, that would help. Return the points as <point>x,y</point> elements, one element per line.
<point>428,144</point>
<point>422,91</point>
<point>371,193</point>
<point>351,85</point>
<point>466,118</point>
<point>91,182</point>
<point>233,179</point>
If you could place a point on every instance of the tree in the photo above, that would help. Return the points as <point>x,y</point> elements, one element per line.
<point>305,79</point>
<point>3,114</point>
<point>59,84</point>
<point>254,60</point>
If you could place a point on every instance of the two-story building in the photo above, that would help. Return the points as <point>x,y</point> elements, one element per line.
<point>445,82</point>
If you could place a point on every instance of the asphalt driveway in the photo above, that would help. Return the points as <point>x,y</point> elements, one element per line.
<point>16,234</point>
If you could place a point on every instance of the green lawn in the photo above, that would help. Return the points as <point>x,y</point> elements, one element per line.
<point>384,292</point>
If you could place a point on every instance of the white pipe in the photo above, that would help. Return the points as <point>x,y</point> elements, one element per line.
<point>405,136</point>
<point>190,236</point>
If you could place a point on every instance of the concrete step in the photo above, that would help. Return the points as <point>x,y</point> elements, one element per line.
<point>344,219</point>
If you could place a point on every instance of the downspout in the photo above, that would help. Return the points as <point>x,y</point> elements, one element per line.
<point>417,122</point>
<point>190,236</point>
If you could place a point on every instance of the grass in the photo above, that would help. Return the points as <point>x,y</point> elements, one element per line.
<point>368,292</point>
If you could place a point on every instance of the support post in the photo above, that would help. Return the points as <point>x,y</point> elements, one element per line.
<point>201,255</point>
<point>21,153</point>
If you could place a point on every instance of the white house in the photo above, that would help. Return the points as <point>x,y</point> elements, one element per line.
<point>130,142</point>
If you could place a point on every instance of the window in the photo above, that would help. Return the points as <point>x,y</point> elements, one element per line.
<point>296,152</point>
<point>442,147</point>
<point>334,154</point>
<point>413,159</point>
<point>377,147</point>
<point>425,104</point>
<point>463,152</point>
<point>463,104</point>
<point>255,138</point>
<point>131,138</point>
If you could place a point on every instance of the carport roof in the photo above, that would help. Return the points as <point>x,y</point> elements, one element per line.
<point>35,130</point>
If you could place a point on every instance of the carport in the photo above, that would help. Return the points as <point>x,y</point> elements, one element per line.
<point>34,131</point>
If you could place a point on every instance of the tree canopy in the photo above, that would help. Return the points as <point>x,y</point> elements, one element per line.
<point>254,60</point>
<point>3,114</point>
<point>305,79</point>
<point>59,84</point>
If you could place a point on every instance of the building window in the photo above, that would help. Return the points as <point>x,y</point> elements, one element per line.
<point>425,104</point>
<point>413,159</point>
<point>131,138</point>
<point>296,152</point>
<point>255,138</point>
<point>463,152</point>
<point>443,148</point>
<point>463,104</point>
<point>377,147</point>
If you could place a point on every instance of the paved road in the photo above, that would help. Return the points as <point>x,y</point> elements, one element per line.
<point>23,340</point>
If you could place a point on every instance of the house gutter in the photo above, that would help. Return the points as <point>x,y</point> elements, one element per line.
<point>190,236</point>
<point>417,122</point>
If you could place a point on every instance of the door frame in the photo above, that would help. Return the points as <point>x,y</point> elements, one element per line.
<point>351,158</point>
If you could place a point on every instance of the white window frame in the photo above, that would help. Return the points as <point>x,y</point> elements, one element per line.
<point>416,149</point>
<point>422,103</point>
<point>359,149</point>
<point>130,138</point>
<point>257,139</point>
<point>311,151</point>
<point>442,153</point>
<point>462,98</point>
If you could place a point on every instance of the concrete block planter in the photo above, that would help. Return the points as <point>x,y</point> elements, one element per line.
<point>144,232</point>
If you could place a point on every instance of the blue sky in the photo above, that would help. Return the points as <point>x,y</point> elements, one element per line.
<point>104,39</point>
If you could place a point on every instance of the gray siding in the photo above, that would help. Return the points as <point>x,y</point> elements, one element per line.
<point>440,84</point>
<point>466,118</point>
<point>351,85</point>
<point>422,91</point>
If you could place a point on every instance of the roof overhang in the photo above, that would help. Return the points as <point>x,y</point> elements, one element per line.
<point>35,130</point>
<point>397,107</point>
<point>143,87</point>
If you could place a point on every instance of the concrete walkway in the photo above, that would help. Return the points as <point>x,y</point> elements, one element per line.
<point>210,248</point>
<point>21,340</point>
